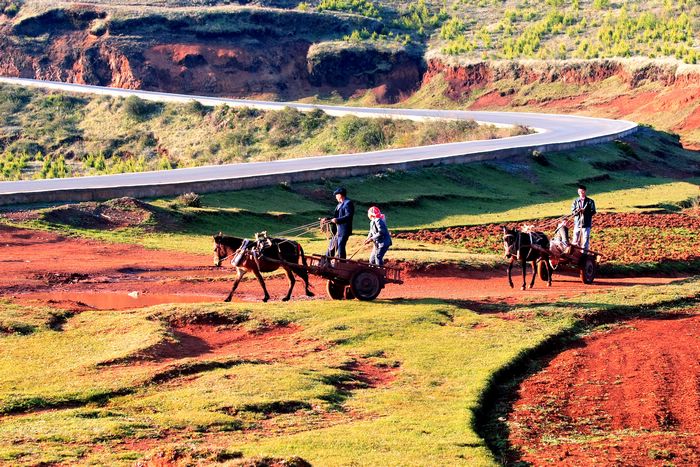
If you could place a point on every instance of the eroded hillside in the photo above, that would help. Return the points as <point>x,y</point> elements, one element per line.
<point>231,51</point>
<point>632,61</point>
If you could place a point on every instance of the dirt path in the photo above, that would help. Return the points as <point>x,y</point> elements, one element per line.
<point>42,267</point>
<point>623,397</point>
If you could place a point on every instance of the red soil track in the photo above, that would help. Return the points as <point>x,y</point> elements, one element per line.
<point>623,397</point>
<point>42,267</point>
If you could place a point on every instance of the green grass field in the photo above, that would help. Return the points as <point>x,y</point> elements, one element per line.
<point>442,357</point>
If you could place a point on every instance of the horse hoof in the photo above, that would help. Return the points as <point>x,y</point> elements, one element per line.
<point>266,299</point>
<point>227,300</point>
<point>310,293</point>
<point>523,288</point>
<point>285,299</point>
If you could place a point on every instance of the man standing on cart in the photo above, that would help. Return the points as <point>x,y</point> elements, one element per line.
<point>341,223</point>
<point>583,209</point>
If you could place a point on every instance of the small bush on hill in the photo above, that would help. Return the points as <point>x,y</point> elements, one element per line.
<point>139,109</point>
<point>363,134</point>
<point>11,165</point>
<point>196,108</point>
<point>190,200</point>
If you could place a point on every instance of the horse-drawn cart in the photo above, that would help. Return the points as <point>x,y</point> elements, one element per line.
<point>347,279</point>
<point>585,261</point>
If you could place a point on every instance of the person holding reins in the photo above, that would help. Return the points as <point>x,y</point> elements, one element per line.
<point>342,221</point>
<point>583,210</point>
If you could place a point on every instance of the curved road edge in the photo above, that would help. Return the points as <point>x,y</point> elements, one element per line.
<point>555,133</point>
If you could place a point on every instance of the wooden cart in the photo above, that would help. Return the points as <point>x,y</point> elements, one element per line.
<point>577,257</point>
<point>348,279</point>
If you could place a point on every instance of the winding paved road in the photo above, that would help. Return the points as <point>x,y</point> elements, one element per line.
<point>554,132</point>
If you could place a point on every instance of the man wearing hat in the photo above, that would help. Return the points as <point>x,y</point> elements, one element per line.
<point>342,221</point>
<point>583,209</point>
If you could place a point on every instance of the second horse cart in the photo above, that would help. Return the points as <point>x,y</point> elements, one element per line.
<point>585,261</point>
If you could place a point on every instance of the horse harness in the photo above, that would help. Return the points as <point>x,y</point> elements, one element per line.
<point>518,245</point>
<point>254,248</point>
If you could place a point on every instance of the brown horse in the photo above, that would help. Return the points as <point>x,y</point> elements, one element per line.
<point>276,253</point>
<point>526,247</point>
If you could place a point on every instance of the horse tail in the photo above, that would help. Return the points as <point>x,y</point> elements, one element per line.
<point>300,252</point>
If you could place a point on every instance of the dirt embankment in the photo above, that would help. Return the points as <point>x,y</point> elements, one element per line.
<point>623,397</point>
<point>664,93</point>
<point>235,52</point>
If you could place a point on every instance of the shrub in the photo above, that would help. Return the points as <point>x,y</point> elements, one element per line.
<point>361,7</point>
<point>196,108</point>
<point>364,134</point>
<point>191,200</point>
<point>11,9</point>
<point>139,109</point>
<point>452,29</point>
<point>417,17</point>
<point>99,28</point>
<point>287,120</point>
<point>11,165</point>
<point>538,157</point>
<point>314,120</point>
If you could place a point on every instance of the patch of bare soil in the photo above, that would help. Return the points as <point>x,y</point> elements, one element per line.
<point>206,341</point>
<point>628,396</point>
<point>113,214</point>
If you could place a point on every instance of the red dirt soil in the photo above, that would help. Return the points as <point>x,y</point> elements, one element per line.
<point>78,274</point>
<point>206,341</point>
<point>623,397</point>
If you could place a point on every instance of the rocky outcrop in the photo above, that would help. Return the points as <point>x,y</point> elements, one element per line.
<point>463,77</point>
<point>398,70</point>
<point>237,52</point>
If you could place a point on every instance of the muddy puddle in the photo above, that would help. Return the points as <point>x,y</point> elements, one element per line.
<point>116,300</point>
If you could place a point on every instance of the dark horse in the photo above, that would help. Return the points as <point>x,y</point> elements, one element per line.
<point>275,253</point>
<point>526,247</point>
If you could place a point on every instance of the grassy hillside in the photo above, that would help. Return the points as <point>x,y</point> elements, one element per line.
<point>51,135</point>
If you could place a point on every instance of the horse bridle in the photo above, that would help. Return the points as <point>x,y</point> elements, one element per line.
<point>511,249</point>
<point>219,259</point>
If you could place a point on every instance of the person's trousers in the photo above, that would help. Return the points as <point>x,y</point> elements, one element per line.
<point>582,237</point>
<point>336,247</point>
<point>378,252</point>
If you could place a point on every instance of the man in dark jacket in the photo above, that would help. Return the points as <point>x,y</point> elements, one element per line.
<point>342,221</point>
<point>583,209</point>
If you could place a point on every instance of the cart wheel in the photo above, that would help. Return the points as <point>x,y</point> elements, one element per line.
<point>336,289</point>
<point>542,270</point>
<point>365,285</point>
<point>588,270</point>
